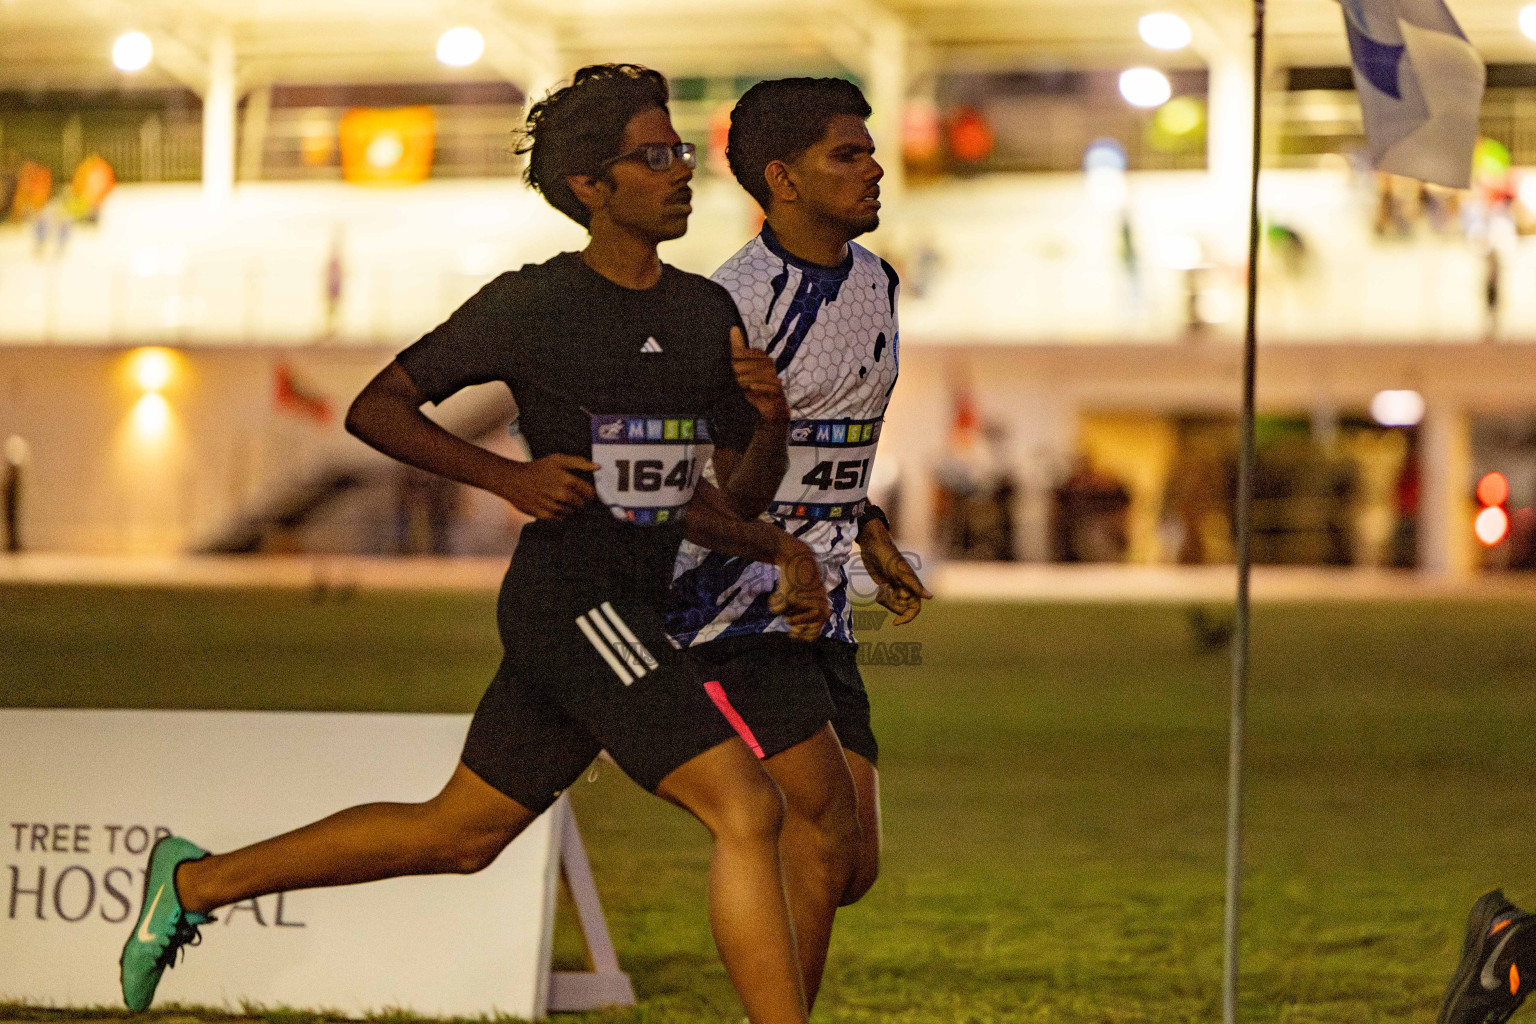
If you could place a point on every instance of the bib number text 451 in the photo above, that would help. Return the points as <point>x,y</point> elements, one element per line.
<point>842,476</point>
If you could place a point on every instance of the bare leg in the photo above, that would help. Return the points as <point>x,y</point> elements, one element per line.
<point>819,844</point>
<point>461,830</point>
<point>866,783</point>
<point>732,794</point>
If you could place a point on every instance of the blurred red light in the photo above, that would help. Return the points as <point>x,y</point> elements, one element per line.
<point>1491,525</point>
<point>1493,489</point>
<point>970,136</point>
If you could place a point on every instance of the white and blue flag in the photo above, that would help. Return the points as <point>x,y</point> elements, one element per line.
<point>1420,84</point>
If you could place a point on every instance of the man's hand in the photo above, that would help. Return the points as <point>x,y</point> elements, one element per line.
<point>548,488</point>
<point>801,596</point>
<point>801,593</point>
<point>758,380</point>
<point>901,592</point>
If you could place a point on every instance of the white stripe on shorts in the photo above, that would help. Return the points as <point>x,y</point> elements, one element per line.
<point>623,628</point>
<point>596,641</point>
<point>617,644</point>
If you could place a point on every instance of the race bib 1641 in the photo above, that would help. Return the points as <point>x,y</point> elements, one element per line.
<point>648,466</point>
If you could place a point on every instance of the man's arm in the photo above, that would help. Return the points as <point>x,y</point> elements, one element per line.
<point>901,592</point>
<point>801,595</point>
<point>751,477</point>
<point>387,416</point>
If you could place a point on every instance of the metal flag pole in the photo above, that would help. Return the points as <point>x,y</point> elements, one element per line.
<point>1244,513</point>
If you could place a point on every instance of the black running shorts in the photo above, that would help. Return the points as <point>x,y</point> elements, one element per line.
<point>839,665</point>
<point>574,682</point>
<point>772,684</point>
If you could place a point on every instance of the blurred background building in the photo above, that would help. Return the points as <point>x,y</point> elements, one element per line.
<point>219,219</point>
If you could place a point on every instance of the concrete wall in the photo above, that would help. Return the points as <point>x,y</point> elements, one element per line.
<point>99,481</point>
<point>1034,295</point>
<point>105,476</point>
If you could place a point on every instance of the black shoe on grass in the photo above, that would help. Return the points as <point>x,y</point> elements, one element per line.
<point>1487,987</point>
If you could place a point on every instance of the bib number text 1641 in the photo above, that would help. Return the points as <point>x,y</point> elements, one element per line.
<point>652,474</point>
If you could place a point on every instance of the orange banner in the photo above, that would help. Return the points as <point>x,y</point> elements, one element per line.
<point>387,147</point>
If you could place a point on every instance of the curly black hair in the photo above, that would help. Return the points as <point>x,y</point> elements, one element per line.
<point>781,119</point>
<point>577,127</point>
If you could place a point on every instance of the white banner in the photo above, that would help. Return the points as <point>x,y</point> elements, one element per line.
<point>84,793</point>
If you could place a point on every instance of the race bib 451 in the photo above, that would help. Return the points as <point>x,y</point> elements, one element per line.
<point>648,466</point>
<point>829,464</point>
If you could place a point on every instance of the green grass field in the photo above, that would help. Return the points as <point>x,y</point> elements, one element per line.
<point>1055,793</point>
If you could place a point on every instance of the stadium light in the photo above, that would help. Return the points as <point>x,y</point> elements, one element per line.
<point>152,368</point>
<point>1145,87</point>
<point>1397,408</point>
<point>151,416</point>
<point>460,47</point>
<point>1528,21</point>
<point>1178,118</point>
<point>1164,31</point>
<point>132,51</point>
<point>1491,525</point>
<point>1493,489</point>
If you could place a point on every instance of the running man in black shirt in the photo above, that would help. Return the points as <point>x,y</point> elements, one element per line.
<point>625,372</point>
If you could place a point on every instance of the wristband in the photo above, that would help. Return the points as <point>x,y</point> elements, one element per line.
<point>871,513</point>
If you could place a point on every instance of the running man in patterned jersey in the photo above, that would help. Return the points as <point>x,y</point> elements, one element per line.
<point>626,372</point>
<point>824,309</point>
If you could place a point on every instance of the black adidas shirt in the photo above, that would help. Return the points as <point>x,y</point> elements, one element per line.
<point>571,344</point>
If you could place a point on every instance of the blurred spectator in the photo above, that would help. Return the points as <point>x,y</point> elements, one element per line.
<point>424,512</point>
<point>1491,275</point>
<point>1379,459</point>
<point>1303,493</point>
<point>1405,540</point>
<point>1522,538</point>
<point>50,223</point>
<point>8,168</point>
<point>1090,516</point>
<point>33,189</point>
<point>1196,501</point>
<point>17,452</point>
<point>1389,219</point>
<point>335,281</point>
<point>94,180</point>
<point>976,489</point>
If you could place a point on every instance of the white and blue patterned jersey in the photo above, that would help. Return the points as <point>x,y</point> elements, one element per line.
<point>832,333</point>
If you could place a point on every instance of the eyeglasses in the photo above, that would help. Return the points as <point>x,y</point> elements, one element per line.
<point>658,156</point>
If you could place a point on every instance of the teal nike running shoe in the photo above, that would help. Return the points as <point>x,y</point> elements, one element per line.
<point>163,928</point>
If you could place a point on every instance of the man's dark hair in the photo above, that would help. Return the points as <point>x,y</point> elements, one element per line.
<point>781,119</point>
<point>577,127</point>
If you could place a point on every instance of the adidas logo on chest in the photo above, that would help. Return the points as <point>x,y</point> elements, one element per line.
<point>651,345</point>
